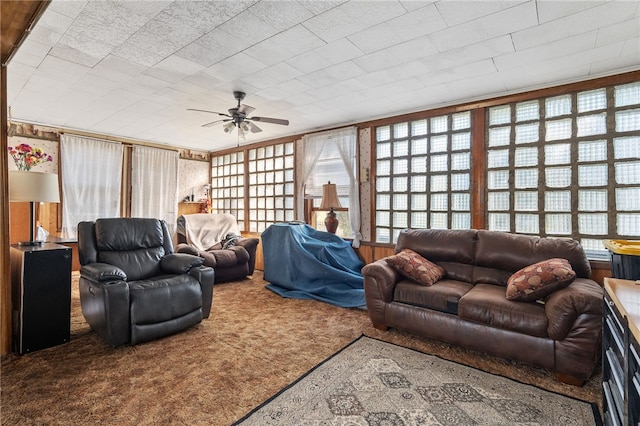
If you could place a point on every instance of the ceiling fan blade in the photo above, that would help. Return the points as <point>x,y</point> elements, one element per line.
<point>210,112</point>
<point>215,122</point>
<point>271,120</point>
<point>246,109</point>
<point>253,127</point>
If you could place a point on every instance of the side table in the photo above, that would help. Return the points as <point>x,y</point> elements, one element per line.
<point>41,296</point>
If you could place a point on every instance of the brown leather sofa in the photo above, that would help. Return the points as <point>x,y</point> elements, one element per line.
<point>468,307</point>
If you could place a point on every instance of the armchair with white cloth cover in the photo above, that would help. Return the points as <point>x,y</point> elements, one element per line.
<point>217,239</point>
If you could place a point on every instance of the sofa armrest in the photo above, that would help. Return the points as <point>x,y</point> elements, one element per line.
<point>102,272</point>
<point>380,280</point>
<point>563,307</point>
<point>251,245</point>
<point>188,249</point>
<point>179,263</point>
<point>206,277</point>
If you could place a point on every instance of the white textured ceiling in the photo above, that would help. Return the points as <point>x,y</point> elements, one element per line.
<point>132,68</point>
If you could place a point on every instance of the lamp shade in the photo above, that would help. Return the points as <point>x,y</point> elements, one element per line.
<point>33,186</point>
<point>329,197</point>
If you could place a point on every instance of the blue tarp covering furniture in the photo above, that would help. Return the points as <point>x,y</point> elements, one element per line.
<point>304,263</point>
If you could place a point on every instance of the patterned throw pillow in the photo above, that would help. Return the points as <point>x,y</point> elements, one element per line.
<point>536,281</point>
<point>415,267</point>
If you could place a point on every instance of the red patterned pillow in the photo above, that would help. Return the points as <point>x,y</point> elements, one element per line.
<point>536,281</point>
<point>415,267</point>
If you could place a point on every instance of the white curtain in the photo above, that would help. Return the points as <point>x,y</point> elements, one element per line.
<point>339,143</point>
<point>91,181</point>
<point>346,143</point>
<point>312,146</point>
<point>154,184</point>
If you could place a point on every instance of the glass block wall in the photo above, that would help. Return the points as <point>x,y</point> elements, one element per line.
<point>558,166</point>
<point>227,185</point>
<point>271,185</point>
<point>422,175</point>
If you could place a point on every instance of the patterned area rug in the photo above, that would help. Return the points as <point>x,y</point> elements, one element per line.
<point>371,382</point>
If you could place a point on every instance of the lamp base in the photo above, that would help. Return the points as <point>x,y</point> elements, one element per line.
<point>30,243</point>
<point>331,222</point>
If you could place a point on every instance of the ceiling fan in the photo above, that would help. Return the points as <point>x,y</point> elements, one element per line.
<point>238,117</point>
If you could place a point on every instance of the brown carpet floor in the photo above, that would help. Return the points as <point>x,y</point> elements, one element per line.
<point>253,344</point>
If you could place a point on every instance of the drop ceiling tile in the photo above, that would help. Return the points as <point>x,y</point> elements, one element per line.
<point>269,52</point>
<point>332,74</point>
<point>94,84</point>
<point>458,12</point>
<point>50,28</point>
<point>417,23</point>
<point>284,90</point>
<point>76,56</point>
<point>411,5</point>
<point>576,59</point>
<point>280,15</point>
<point>475,52</point>
<point>337,89</point>
<point>318,7</point>
<point>373,39</point>
<point>309,62</point>
<point>16,79</point>
<point>627,30</point>
<point>234,67</point>
<point>70,9</point>
<point>368,16</point>
<point>538,54</point>
<point>339,51</point>
<point>297,40</point>
<point>209,51</point>
<point>579,23</point>
<point>273,75</point>
<point>333,24</point>
<point>116,69</point>
<point>30,53</point>
<point>552,10</point>
<point>507,21</point>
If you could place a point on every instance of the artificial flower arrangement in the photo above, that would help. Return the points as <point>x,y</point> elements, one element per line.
<point>25,156</point>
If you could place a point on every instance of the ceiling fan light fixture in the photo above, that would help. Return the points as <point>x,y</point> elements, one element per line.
<point>244,126</point>
<point>229,127</point>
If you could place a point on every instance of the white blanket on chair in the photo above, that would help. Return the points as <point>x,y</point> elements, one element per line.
<point>204,230</point>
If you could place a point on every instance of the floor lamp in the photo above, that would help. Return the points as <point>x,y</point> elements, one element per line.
<point>330,201</point>
<point>34,187</point>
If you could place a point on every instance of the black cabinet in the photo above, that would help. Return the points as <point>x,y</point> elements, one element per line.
<point>621,353</point>
<point>41,296</point>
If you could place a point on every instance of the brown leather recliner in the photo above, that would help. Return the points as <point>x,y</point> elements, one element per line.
<point>468,306</point>
<point>216,238</point>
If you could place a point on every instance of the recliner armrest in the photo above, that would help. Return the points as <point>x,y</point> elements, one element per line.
<point>102,272</point>
<point>205,276</point>
<point>179,263</point>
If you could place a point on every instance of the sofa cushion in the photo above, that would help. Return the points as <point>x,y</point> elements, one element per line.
<point>539,280</point>
<point>164,298</point>
<point>415,267</point>
<point>486,304</point>
<point>442,296</point>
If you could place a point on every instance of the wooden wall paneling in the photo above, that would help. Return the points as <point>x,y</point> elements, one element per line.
<point>5,262</point>
<point>478,168</point>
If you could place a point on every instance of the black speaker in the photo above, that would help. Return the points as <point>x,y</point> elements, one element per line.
<point>41,296</point>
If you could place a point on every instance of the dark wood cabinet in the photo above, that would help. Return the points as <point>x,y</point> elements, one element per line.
<point>41,296</point>
<point>621,353</point>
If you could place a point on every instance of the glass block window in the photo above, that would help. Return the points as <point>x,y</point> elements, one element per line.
<point>271,186</point>
<point>227,185</point>
<point>567,166</point>
<point>423,175</point>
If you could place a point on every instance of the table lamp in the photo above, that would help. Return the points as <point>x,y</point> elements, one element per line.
<point>329,202</point>
<point>34,187</point>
